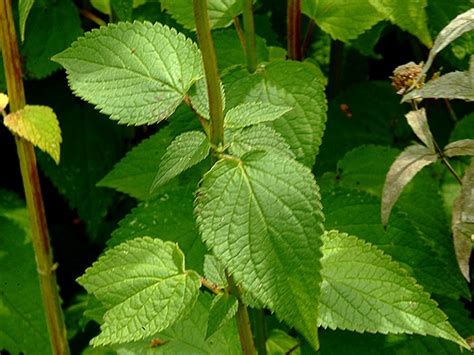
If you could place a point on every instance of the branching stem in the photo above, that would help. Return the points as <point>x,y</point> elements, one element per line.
<point>34,201</point>
<point>217,140</point>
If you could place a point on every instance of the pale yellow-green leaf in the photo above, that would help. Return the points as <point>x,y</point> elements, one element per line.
<point>419,123</point>
<point>38,125</point>
<point>3,101</point>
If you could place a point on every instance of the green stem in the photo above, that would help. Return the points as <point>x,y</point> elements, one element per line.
<point>243,321</point>
<point>206,44</point>
<point>294,30</point>
<point>240,32</point>
<point>249,31</point>
<point>261,331</point>
<point>34,201</point>
<point>308,38</point>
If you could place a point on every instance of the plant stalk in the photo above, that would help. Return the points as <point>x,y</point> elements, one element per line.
<point>216,131</point>
<point>31,184</point>
<point>294,30</point>
<point>261,331</point>
<point>243,321</point>
<point>249,32</point>
<point>206,44</point>
<point>335,68</point>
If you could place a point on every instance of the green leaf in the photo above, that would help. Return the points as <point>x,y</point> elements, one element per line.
<point>223,309</point>
<point>405,167</point>
<point>43,41</point>
<point>221,12</point>
<point>135,173</point>
<point>188,336</point>
<point>185,151</point>
<point>409,15</point>
<point>169,217</point>
<point>356,119</point>
<point>200,99</point>
<point>460,147</point>
<point>229,49</point>
<point>24,7</point>
<point>122,9</point>
<point>261,213</point>
<point>39,126</point>
<point>366,291</point>
<point>285,83</point>
<point>279,343</point>
<point>23,326</point>
<point>214,271</point>
<point>145,70</point>
<point>358,213</point>
<point>463,222</point>
<point>343,20</point>
<point>145,287</point>
<point>419,123</point>
<point>253,113</point>
<point>259,137</point>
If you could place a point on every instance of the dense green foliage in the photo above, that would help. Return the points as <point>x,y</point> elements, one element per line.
<point>336,210</point>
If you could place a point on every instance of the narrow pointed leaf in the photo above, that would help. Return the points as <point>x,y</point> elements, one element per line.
<point>457,27</point>
<point>136,73</point>
<point>262,217</point>
<point>406,166</point>
<point>460,147</point>
<point>253,113</point>
<point>419,123</point>
<point>24,7</point>
<point>364,290</point>
<point>185,151</point>
<point>259,137</point>
<point>463,222</point>
<point>145,287</point>
<point>39,126</point>
<point>223,309</point>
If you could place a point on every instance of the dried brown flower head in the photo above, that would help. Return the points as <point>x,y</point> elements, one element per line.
<point>404,77</point>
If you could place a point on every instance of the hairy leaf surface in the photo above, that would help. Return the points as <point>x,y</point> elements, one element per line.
<point>135,173</point>
<point>169,216</point>
<point>366,291</point>
<point>406,166</point>
<point>253,113</point>
<point>185,151</point>
<point>460,147</point>
<point>358,213</point>
<point>39,126</point>
<point>291,84</point>
<point>259,137</point>
<point>145,287</point>
<point>262,217</point>
<point>136,73</point>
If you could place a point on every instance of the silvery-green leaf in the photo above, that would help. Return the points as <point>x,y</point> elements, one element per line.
<point>419,123</point>
<point>460,147</point>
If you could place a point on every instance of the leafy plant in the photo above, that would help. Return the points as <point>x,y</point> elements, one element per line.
<point>242,239</point>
